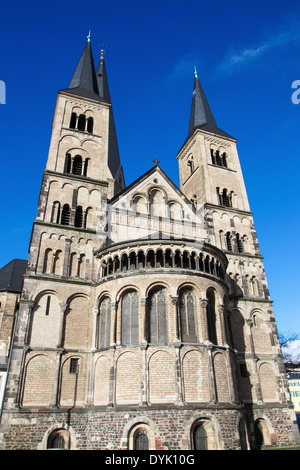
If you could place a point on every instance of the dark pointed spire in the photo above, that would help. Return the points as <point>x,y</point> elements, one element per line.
<point>113,147</point>
<point>201,116</point>
<point>84,80</point>
<point>102,79</point>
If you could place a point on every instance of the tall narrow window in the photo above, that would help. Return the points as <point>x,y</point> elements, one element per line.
<point>211,317</point>
<point>213,160</point>
<point>219,195</point>
<point>187,314</point>
<point>239,242</point>
<point>65,215</point>
<point>77,165</point>
<point>48,305</point>
<point>74,366</point>
<point>81,122</point>
<point>218,158</point>
<point>68,161</point>
<point>228,241</point>
<point>141,441</point>
<point>224,159</point>
<point>130,318</point>
<point>157,317</point>
<point>90,125</point>
<point>78,217</point>
<point>73,121</point>
<point>200,438</point>
<point>226,200</point>
<point>104,323</point>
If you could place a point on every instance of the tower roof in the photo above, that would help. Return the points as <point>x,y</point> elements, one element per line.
<point>84,80</point>
<point>113,148</point>
<point>102,81</point>
<point>201,116</point>
<point>11,275</point>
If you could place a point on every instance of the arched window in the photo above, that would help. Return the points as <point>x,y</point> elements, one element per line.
<point>261,432</point>
<point>187,315</point>
<point>228,241</point>
<point>68,163</point>
<point>104,323</point>
<point>141,441</point>
<point>204,436</point>
<point>78,217</point>
<point>73,120</point>
<point>90,125</point>
<point>130,318</point>
<point>141,437</point>
<point>77,165</point>
<point>218,158</point>
<point>225,197</point>
<point>224,159</point>
<point>157,317</point>
<point>81,122</point>
<point>191,164</point>
<point>59,439</point>
<point>239,242</point>
<point>48,261</point>
<point>213,159</point>
<point>65,215</point>
<point>211,317</point>
<point>200,438</point>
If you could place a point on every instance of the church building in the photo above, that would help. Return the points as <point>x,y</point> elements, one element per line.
<point>145,320</point>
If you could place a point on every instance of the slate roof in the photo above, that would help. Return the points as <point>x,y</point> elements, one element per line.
<point>201,116</point>
<point>84,80</point>
<point>11,275</point>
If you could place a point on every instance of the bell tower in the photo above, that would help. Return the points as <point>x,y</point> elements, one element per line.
<point>211,177</point>
<point>83,169</point>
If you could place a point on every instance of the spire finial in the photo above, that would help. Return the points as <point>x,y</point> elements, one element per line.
<point>195,72</point>
<point>89,36</point>
<point>102,51</point>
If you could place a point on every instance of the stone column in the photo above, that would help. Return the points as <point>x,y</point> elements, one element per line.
<point>177,345</point>
<point>118,326</point>
<point>143,328</point>
<point>175,326</point>
<point>62,312</point>
<point>249,324</point>
<point>203,334</point>
<point>212,383</point>
<point>66,262</point>
<point>55,390</point>
<point>95,329</point>
<point>91,380</point>
<point>113,326</point>
<point>144,391</point>
<point>26,307</point>
<point>223,324</point>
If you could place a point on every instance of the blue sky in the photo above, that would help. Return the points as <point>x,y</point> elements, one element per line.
<point>247,54</point>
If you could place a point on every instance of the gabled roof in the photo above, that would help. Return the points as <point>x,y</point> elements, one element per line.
<point>84,80</point>
<point>201,116</point>
<point>11,275</point>
<point>148,173</point>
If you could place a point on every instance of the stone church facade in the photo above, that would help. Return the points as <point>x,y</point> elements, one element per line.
<point>145,320</point>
